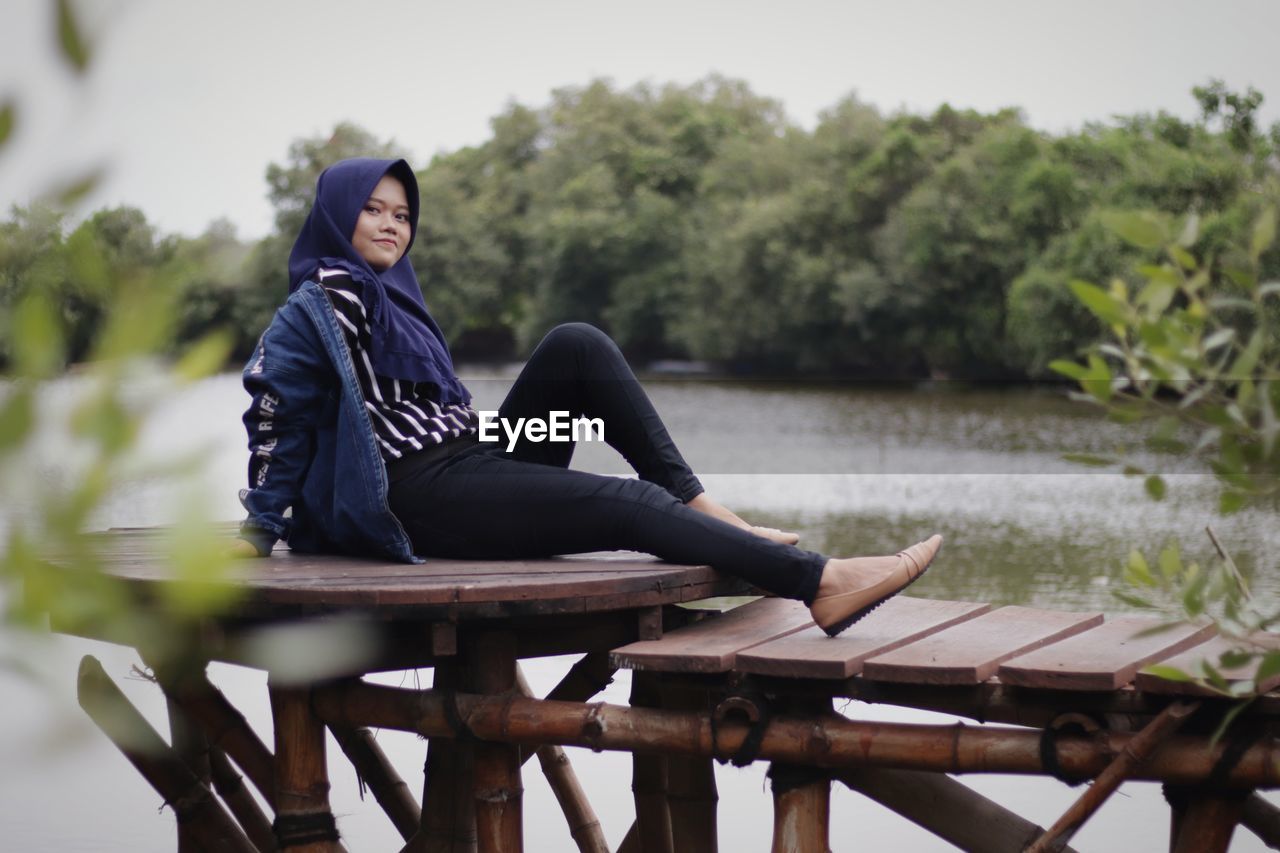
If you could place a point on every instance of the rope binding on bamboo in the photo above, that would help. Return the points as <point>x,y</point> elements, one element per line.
<point>1180,796</point>
<point>1071,723</point>
<point>295,830</point>
<point>453,718</point>
<point>753,708</point>
<point>788,777</point>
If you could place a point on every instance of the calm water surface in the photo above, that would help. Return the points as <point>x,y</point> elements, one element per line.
<point>854,470</point>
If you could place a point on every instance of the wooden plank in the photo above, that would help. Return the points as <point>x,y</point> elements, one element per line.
<point>810,653</point>
<point>605,580</point>
<point>436,588</point>
<point>284,568</point>
<point>1189,660</point>
<point>971,652</point>
<point>710,645</point>
<point>1104,658</point>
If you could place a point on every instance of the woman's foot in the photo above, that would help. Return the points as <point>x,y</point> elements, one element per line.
<point>851,588</point>
<point>704,503</point>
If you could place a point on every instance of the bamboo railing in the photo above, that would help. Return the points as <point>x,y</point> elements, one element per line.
<point>838,742</point>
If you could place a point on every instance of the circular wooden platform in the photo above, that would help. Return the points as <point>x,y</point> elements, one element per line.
<point>287,582</point>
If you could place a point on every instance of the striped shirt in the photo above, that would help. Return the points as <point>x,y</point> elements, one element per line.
<point>404,414</point>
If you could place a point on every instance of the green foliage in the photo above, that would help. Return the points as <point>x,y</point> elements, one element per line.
<point>1237,111</point>
<point>1193,342</point>
<point>1218,593</point>
<point>695,221</point>
<point>71,38</point>
<point>8,117</point>
<point>105,295</point>
<point>1194,350</point>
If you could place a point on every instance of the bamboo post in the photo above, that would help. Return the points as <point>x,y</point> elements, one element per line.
<point>192,803</point>
<point>801,795</point>
<point>584,826</point>
<point>304,822</point>
<point>1208,821</point>
<point>630,841</point>
<point>1263,820</point>
<point>649,776</point>
<point>691,785</point>
<point>591,674</point>
<point>191,746</point>
<point>498,791</point>
<point>224,726</point>
<point>388,788</point>
<point>801,812</point>
<point>949,809</point>
<point>1135,751</point>
<point>243,806</point>
<point>839,742</point>
<point>448,809</point>
<point>448,814</point>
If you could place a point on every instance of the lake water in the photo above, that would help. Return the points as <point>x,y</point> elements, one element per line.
<point>854,470</point>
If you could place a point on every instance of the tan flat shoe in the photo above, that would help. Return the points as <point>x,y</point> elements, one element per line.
<point>838,610</point>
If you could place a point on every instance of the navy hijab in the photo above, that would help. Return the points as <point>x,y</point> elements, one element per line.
<point>406,342</point>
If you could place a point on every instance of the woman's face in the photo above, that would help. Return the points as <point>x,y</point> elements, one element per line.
<point>382,229</point>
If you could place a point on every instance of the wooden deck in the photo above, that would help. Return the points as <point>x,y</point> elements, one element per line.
<point>754,683</point>
<point>1054,670</point>
<point>945,643</point>
<point>289,583</point>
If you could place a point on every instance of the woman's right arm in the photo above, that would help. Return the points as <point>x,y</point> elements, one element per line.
<point>289,378</point>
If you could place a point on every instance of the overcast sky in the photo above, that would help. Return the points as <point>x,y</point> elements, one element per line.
<point>187,102</point>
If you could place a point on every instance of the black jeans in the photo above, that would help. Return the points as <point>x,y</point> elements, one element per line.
<point>483,502</point>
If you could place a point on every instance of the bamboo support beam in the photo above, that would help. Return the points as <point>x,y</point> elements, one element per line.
<point>631,841</point>
<point>692,801</point>
<point>212,767</point>
<point>1208,822</point>
<point>839,742</point>
<point>192,803</point>
<point>191,746</point>
<point>949,809</point>
<point>649,777</point>
<point>498,791</point>
<point>584,826</point>
<point>1263,820</point>
<point>448,814</point>
<point>801,794</point>
<point>388,788</point>
<point>691,784</point>
<point>448,809</point>
<point>304,822</point>
<point>591,674</point>
<point>225,727</point>
<point>801,816</point>
<point>230,786</point>
<point>1135,751</point>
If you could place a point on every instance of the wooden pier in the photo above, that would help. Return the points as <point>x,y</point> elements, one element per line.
<point>1066,693</point>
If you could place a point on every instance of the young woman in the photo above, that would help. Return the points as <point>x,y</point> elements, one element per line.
<point>359,424</point>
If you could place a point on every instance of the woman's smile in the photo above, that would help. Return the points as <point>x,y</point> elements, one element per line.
<point>382,228</point>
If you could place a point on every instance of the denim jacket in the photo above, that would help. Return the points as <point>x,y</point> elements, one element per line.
<point>311,444</point>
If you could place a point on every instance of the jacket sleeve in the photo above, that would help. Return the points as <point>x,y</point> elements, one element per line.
<point>289,378</point>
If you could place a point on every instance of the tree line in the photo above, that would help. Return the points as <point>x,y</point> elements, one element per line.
<point>697,222</point>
